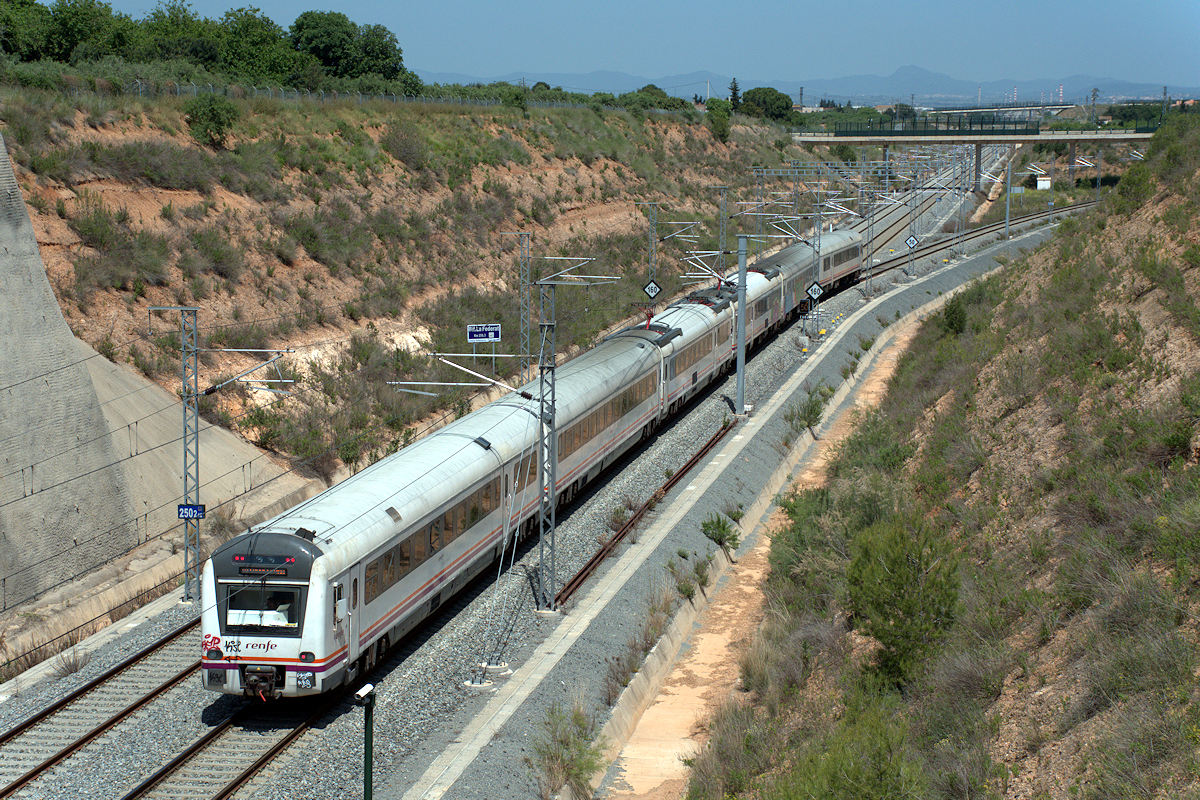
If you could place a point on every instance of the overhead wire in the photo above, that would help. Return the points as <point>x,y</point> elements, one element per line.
<point>296,467</point>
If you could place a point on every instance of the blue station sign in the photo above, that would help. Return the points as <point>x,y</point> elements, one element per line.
<point>485,332</point>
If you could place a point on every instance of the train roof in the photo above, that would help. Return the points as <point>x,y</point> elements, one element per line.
<point>363,511</point>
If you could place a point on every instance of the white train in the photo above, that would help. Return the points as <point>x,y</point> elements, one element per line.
<point>308,600</point>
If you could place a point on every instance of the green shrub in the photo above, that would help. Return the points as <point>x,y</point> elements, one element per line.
<point>1134,189</point>
<point>721,532</point>
<point>740,747</point>
<point>806,414</point>
<point>210,117</point>
<point>216,252</point>
<point>123,258</point>
<point>865,757</point>
<point>564,753</point>
<point>405,144</point>
<point>902,587</point>
<point>953,319</point>
<point>718,114</point>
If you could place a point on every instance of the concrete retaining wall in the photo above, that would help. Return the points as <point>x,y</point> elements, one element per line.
<point>62,506</point>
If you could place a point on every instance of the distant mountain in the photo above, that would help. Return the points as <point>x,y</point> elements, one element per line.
<point>905,84</point>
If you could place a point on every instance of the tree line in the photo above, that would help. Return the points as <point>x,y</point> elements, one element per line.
<point>85,42</point>
<point>321,49</point>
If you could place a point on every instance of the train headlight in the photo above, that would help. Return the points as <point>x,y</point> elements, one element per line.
<point>307,657</point>
<point>214,654</point>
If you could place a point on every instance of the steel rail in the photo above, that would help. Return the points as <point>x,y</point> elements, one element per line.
<point>579,578</point>
<point>247,774</point>
<point>210,741</point>
<point>99,679</point>
<point>165,770</point>
<point>98,730</point>
<point>976,233</point>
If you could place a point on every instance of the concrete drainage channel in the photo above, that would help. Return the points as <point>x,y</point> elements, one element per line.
<point>485,756</point>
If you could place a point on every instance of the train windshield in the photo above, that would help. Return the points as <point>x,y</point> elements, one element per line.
<point>257,607</point>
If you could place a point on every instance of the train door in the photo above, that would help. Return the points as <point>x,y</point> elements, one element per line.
<point>341,612</point>
<point>356,612</point>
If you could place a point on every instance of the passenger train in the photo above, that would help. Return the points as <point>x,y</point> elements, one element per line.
<point>308,600</point>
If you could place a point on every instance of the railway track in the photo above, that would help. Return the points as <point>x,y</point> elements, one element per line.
<point>579,578</point>
<point>934,248</point>
<point>50,737</point>
<point>225,759</point>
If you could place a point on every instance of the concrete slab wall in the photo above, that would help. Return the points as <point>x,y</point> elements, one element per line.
<point>63,501</point>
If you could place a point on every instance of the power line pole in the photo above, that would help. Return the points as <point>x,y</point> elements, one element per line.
<point>190,511</point>
<point>1008,191</point>
<point>741,324</point>
<point>651,236</point>
<point>547,580</point>
<point>723,218</point>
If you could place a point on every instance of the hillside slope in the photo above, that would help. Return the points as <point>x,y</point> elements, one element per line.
<point>996,593</point>
<point>355,233</point>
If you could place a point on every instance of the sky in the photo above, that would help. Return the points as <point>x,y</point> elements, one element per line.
<point>1154,41</point>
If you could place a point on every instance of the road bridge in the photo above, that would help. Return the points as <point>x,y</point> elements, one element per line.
<point>993,108</point>
<point>978,136</point>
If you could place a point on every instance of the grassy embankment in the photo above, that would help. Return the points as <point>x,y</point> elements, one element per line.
<point>1056,158</point>
<point>996,593</point>
<point>341,228</point>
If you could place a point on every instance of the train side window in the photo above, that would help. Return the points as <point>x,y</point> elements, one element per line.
<point>435,536</point>
<point>337,595</point>
<point>403,558</point>
<point>372,580</point>
<point>420,545</point>
<point>354,594</point>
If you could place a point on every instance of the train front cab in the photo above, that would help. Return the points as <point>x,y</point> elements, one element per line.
<point>262,625</point>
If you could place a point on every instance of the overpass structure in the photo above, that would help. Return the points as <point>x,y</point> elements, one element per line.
<point>997,108</point>
<point>978,136</point>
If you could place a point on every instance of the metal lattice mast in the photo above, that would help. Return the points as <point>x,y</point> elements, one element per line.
<point>651,238</point>
<point>724,220</point>
<point>189,373</point>
<point>758,222</point>
<point>547,447</point>
<point>547,580</point>
<point>191,511</point>
<point>914,202</point>
<point>191,450</point>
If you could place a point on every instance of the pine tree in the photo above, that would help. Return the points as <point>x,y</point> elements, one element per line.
<point>735,96</point>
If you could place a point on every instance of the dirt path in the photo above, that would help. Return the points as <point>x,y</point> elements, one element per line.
<point>674,726</point>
